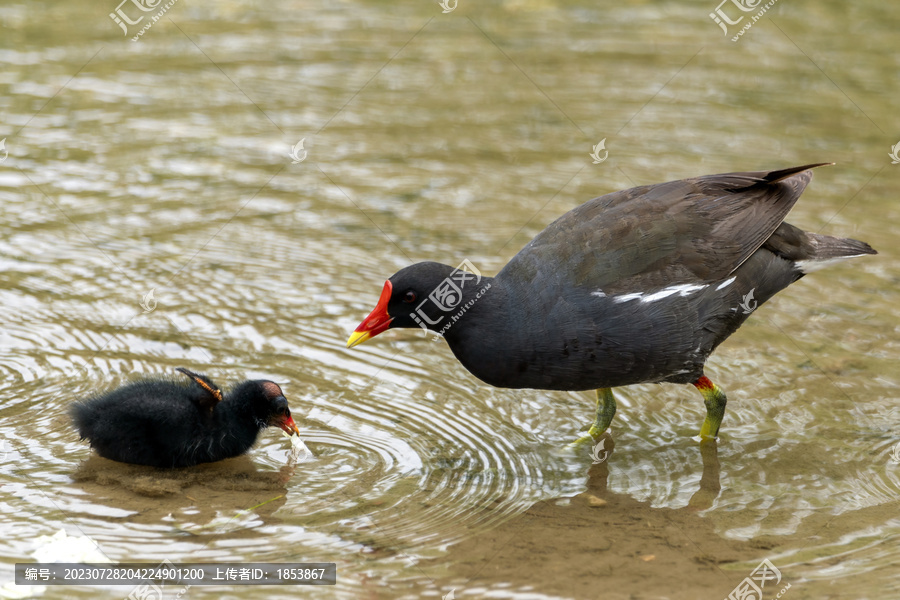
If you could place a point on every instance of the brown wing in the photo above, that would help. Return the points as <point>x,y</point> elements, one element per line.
<point>687,231</point>
<point>213,395</point>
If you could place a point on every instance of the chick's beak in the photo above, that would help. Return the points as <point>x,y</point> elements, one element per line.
<point>378,320</point>
<point>288,425</point>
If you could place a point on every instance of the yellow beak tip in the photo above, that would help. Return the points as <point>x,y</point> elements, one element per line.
<point>357,337</point>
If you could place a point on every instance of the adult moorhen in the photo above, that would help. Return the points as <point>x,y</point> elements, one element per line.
<point>168,424</point>
<point>632,287</point>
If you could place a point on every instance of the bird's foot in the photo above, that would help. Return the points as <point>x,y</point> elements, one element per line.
<point>606,409</point>
<point>583,441</point>
<point>591,438</point>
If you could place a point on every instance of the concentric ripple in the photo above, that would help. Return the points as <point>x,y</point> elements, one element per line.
<point>403,464</point>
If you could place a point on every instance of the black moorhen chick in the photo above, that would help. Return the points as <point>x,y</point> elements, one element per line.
<point>636,286</point>
<point>169,424</point>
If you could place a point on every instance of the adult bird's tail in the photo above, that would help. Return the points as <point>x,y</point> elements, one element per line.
<point>828,250</point>
<point>813,251</point>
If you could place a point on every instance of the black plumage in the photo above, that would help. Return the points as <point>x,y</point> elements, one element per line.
<point>166,423</point>
<point>635,286</point>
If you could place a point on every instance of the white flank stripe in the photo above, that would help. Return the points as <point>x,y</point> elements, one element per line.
<point>660,295</point>
<point>682,290</point>
<point>726,283</point>
<point>628,297</point>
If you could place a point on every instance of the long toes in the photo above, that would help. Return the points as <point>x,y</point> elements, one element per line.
<point>582,441</point>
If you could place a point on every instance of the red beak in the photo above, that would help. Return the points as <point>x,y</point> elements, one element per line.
<point>288,425</point>
<point>378,320</point>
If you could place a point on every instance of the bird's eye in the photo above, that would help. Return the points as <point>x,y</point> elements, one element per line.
<point>409,296</point>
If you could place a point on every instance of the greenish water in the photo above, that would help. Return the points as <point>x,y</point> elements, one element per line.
<point>163,164</point>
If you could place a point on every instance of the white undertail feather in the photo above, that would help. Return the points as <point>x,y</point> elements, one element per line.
<point>810,265</point>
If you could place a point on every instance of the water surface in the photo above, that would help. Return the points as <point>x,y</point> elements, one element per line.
<point>163,165</point>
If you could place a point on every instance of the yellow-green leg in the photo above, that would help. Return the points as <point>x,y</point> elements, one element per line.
<point>715,401</point>
<point>606,409</point>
